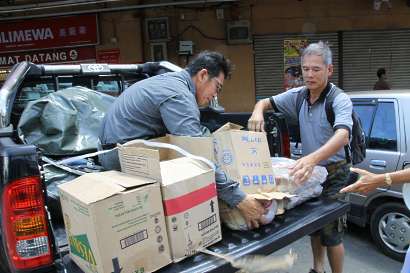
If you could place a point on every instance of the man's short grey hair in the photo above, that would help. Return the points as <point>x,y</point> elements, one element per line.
<point>319,49</point>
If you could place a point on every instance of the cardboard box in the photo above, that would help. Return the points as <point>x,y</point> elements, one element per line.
<point>188,191</point>
<point>244,157</point>
<point>200,146</point>
<point>115,222</point>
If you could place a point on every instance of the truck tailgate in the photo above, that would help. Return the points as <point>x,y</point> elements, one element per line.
<point>285,229</point>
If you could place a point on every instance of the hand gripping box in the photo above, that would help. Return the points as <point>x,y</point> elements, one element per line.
<point>244,157</point>
<point>188,192</point>
<point>115,223</point>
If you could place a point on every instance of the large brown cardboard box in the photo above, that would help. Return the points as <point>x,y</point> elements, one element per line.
<point>188,191</point>
<point>244,157</point>
<point>115,222</point>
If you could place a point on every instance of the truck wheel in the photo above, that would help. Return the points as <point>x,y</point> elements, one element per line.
<point>390,229</point>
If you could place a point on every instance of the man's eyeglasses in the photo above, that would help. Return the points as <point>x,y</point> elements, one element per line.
<point>219,85</point>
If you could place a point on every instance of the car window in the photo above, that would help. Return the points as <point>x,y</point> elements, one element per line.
<point>110,87</point>
<point>383,135</point>
<point>365,112</point>
<point>107,85</point>
<point>32,91</point>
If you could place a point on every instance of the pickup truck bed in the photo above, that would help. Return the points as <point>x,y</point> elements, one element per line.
<point>285,229</point>
<point>19,161</point>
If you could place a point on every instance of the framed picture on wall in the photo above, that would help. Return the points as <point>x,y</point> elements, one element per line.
<point>158,51</point>
<point>157,29</point>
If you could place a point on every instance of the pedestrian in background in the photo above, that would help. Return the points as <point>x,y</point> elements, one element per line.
<point>381,83</point>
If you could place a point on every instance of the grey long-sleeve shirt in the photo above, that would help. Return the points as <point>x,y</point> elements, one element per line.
<point>155,106</point>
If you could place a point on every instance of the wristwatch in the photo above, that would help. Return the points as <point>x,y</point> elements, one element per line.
<point>387,179</point>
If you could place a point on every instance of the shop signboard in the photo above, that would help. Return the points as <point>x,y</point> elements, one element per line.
<point>109,56</point>
<point>58,55</point>
<point>47,33</point>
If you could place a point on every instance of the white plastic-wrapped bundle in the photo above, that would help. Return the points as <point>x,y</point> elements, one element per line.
<point>303,191</point>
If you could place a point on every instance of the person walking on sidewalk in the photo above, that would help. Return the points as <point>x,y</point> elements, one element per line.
<point>381,83</point>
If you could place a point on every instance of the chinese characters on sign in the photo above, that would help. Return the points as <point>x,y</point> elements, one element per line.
<point>109,56</point>
<point>292,51</point>
<point>48,33</point>
<point>50,40</point>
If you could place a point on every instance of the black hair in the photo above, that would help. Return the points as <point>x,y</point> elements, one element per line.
<point>381,71</point>
<point>212,61</point>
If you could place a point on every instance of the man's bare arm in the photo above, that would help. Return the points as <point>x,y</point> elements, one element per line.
<point>304,166</point>
<point>256,122</point>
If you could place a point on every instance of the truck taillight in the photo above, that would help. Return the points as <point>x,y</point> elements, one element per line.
<point>285,144</point>
<point>26,228</point>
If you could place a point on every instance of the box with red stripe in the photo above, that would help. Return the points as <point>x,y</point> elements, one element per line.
<point>190,206</point>
<point>188,190</point>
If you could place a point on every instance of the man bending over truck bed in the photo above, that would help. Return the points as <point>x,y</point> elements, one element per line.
<point>169,103</point>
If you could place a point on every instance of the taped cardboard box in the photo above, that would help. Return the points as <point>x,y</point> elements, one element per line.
<point>244,157</point>
<point>115,222</point>
<point>188,191</point>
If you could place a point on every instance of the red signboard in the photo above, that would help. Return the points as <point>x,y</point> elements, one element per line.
<point>109,56</point>
<point>59,55</point>
<point>48,33</point>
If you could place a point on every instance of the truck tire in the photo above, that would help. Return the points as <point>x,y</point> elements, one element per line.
<point>390,229</point>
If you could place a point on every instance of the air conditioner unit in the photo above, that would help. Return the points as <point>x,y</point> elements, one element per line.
<point>238,32</point>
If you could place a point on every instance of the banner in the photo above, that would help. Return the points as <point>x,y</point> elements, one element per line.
<point>48,33</point>
<point>59,55</point>
<point>292,51</point>
<point>108,56</point>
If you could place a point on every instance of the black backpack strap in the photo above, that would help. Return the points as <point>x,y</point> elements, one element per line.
<point>330,114</point>
<point>330,98</point>
<point>299,100</point>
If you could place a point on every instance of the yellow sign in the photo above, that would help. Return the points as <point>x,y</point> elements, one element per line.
<point>4,74</point>
<point>292,51</point>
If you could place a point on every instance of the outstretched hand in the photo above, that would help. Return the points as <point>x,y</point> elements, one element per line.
<point>367,182</point>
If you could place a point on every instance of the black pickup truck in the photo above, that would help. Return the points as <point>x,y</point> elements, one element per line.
<point>32,235</point>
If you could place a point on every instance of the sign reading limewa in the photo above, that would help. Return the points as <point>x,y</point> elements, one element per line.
<point>48,33</point>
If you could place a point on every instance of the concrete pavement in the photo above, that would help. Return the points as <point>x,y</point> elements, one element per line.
<point>361,255</point>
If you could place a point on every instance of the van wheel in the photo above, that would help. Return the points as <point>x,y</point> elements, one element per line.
<point>390,229</point>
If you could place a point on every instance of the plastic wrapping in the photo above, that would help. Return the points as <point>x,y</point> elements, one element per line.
<point>55,176</point>
<point>66,122</point>
<point>284,182</point>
